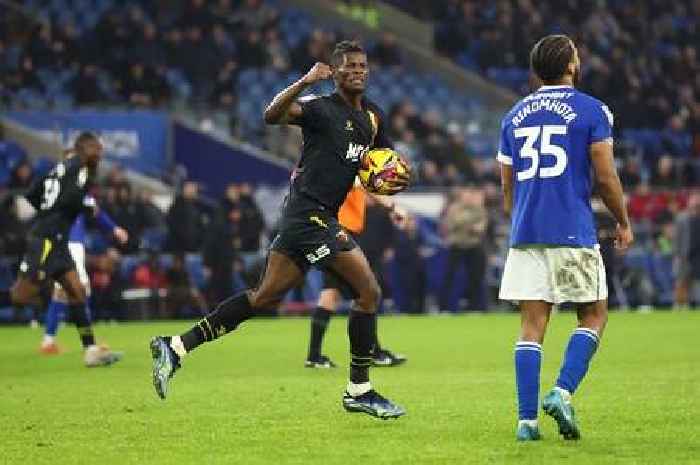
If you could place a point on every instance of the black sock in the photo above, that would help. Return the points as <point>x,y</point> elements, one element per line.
<point>376,348</point>
<point>228,314</point>
<point>80,316</point>
<point>362,328</point>
<point>319,323</point>
<point>5,299</point>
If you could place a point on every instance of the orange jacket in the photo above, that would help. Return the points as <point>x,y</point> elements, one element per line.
<point>352,213</point>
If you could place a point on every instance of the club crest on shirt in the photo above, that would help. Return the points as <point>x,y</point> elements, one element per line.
<point>348,126</point>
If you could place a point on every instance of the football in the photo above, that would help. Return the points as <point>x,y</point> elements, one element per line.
<point>379,168</point>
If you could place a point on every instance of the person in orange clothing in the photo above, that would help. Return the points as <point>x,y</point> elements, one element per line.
<point>352,218</point>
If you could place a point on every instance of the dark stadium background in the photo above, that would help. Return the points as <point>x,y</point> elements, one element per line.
<point>176,89</point>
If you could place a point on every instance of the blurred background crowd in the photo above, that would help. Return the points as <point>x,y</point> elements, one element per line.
<point>220,61</point>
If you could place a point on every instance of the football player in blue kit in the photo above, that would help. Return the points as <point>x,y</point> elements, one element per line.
<point>551,143</point>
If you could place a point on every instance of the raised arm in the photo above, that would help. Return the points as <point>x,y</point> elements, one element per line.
<point>284,107</point>
<point>610,190</point>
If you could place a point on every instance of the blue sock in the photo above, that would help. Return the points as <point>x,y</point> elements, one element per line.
<point>528,360</point>
<point>54,314</point>
<point>579,352</point>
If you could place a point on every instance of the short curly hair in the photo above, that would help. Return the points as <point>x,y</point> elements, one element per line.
<point>343,47</point>
<point>551,56</point>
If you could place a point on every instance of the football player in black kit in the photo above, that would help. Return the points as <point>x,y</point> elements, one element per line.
<point>338,129</point>
<point>59,197</point>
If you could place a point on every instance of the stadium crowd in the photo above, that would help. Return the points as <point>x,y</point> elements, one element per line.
<point>200,249</point>
<point>641,58</point>
<point>194,52</point>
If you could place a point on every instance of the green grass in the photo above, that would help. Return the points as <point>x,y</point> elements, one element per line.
<point>247,399</point>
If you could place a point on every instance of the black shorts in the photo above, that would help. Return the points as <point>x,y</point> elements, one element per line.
<point>332,281</point>
<point>46,258</point>
<point>309,234</point>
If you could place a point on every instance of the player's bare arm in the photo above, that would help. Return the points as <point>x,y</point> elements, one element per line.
<point>507,185</point>
<point>284,107</point>
<point>610,190</point>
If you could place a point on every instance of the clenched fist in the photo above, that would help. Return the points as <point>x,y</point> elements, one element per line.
<point>319,72</point>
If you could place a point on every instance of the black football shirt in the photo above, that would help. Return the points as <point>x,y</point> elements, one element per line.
<point>59,197</point>
<point>335,138</point>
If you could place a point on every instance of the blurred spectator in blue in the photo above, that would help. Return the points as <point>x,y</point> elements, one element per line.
<point>675,140</point>
<point>255,15</point>
<point>86,86</point>
<point>386,52</point>
<point>411,265</point>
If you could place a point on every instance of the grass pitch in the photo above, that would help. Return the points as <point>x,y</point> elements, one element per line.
<point>247,399</point>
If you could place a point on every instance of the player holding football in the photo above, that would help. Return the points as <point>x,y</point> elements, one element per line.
<point>338,130</point>
<point>352,218</point>
<point>550,142</point>
<point>59,198</point>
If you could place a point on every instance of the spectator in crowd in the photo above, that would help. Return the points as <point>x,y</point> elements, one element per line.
<point>106,286</point>
<point>686,253</point>
<point>465,223</point>
<point>21,177</point>
<point>315,48</point>
<point>387,52</point>
<point>221,254</point>
<point>149,274</point>
<point>664,176</point>
<point>675,139</point>
<point>252,223</point>
<point>86,87</point>
<point>127,212</point>
<point>255,15</point>
<point>630,173</point>
<point>12,230</point>
<point>183,296</point>
<point>377,240</point>
<point>646,205</point>
<point>429,175</point>
<point>252,50</point>
<point>187,220</point>
<point>412,275</point>
<point>143,86</point>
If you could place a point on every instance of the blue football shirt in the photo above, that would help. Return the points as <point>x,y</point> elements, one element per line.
<point>546,138</point>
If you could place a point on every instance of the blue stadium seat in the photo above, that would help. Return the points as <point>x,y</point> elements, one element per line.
<point>467,61</point>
